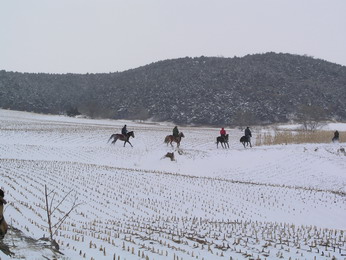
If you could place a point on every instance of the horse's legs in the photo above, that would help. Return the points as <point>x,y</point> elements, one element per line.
<point>250,144</point>
<point>217,144</point>
<point>227,144</point>
<point>115,139</point>
<point>112,136</point>
<point>127,141</point>
<point>178,141</point>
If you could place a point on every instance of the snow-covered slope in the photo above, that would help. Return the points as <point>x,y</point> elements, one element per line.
<point>260,202</point>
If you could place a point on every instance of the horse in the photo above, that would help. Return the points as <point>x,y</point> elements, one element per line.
<point>122,137</point>
<point>223,141</point>
<point>3,224</point>
<point>245,139</point>
<point>170,139</point>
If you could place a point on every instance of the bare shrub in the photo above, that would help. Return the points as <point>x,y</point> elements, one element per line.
<point>311,117</point>
<point>54,227</point>
<point>244,118</point>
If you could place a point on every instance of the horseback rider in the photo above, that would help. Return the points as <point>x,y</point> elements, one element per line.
<point>175,132</point>
<point>336,136</point>
<point>124,130</point>
<point>223,133</point>
<point>248,133</point>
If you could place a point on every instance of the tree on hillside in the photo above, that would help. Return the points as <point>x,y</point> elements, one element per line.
<point>140,113</point>
<point>243,119</point>
<point>72,111</point>
<point>95,109</point>
<point>311,117</point>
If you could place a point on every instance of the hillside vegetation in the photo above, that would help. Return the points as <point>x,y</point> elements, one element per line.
<point>261,88</point>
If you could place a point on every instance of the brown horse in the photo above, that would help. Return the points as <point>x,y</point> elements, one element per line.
<point>121,137</point>
<point>3,224</point>
<point>170,139</point>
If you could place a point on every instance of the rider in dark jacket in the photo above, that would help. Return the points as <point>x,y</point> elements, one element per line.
<point>248,133</point>
<point>336,136</point>
<point>175,132</point>
<point>124,130</point>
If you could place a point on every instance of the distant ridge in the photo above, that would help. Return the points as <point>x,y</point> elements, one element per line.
<point>265,88</point>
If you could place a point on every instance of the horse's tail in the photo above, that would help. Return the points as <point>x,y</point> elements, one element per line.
<point>167,139</point>
<point>110,138</point>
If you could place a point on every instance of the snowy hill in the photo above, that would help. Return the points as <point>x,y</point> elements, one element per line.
<point>255,89</point>
<point>261,203</point>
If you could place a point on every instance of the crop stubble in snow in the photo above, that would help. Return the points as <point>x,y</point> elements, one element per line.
<point>211,203</point>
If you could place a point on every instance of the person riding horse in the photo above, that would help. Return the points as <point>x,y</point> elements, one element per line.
<point>122,137</point>
<point>176,137</point>
<point>336,136</point>
<point>246,138</point>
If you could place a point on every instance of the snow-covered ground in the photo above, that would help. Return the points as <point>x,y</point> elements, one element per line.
<point>260,202</point>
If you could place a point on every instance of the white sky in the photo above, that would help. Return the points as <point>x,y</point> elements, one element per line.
<point>81,36</point>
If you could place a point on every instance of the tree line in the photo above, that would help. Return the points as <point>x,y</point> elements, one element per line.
<point>255,89</point>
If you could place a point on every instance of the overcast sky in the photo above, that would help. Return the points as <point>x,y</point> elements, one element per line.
<point>81,36</point>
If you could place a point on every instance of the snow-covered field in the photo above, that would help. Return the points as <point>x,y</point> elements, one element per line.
<point>263,202</point>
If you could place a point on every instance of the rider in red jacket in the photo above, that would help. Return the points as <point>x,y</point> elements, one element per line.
<point>223,132</point>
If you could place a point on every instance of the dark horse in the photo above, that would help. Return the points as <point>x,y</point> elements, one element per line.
<point>170,139</point>
<point>335,139</point>
<point>121,137</point>
<point>223,141</point>
<point>245,139</point>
